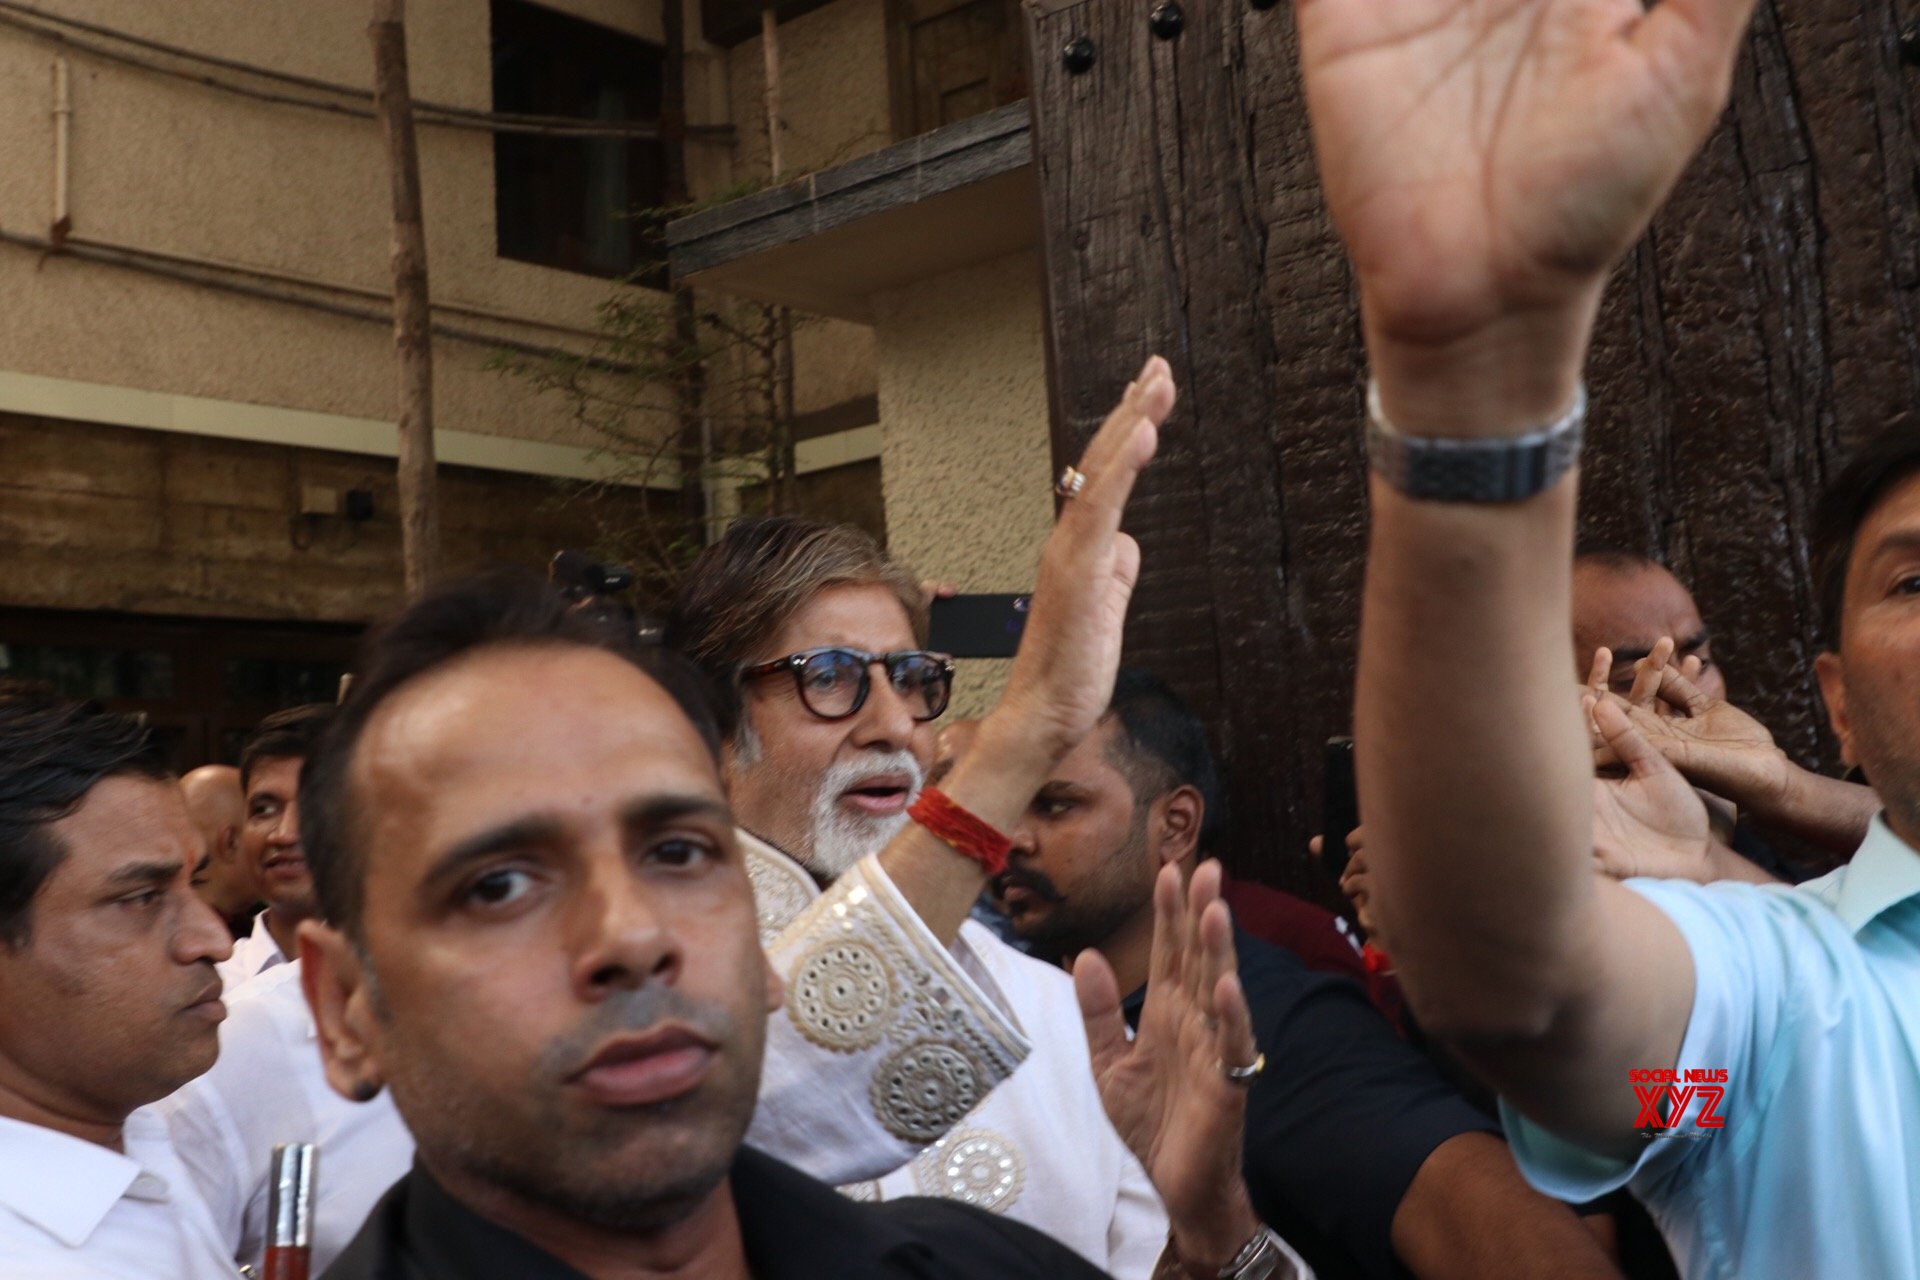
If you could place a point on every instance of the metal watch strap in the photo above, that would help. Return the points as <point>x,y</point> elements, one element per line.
<point>1258,1259</point>
<point>1510,469</point>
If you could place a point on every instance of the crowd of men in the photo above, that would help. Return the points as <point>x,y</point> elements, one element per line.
<point>578,955</point>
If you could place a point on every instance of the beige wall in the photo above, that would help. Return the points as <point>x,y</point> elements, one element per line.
<point>834,107</point>
<point>963,420</point>
<point>167,166</point>
<point>161,164</point>
<point>834,97</point>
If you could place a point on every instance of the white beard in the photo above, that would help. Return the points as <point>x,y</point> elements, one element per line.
<point>840,839</point>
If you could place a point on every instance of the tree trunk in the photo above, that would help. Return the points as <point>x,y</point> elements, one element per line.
<point>412,316</point>
<point>689,371</point>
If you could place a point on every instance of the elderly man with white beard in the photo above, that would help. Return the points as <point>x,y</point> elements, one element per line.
<point>816,638</point>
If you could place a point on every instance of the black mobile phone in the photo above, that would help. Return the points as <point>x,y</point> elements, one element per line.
<point>985,626</point>
<point>1340,811</point>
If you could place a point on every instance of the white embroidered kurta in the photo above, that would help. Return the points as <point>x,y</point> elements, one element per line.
<point>935,1034</point>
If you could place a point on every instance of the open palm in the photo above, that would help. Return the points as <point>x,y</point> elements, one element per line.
<point>1483,158</point>
<point>1163,1089</point>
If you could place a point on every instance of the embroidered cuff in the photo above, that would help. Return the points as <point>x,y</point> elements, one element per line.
<point>885,1043</point>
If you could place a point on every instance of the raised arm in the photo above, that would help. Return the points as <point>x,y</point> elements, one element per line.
<point>1486,165</point>
<point>1063,674</point>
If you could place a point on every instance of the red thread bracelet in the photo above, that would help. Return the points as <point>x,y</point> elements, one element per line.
<point>962,831</point>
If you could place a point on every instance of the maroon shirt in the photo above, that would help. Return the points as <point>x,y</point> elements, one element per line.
<point>1321,939</point>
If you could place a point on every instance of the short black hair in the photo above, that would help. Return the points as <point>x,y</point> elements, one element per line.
<point>53,751</point>
<point>293,734</point>
<point>485,610</point>
<point>1162,744</point>
<point>1884,462</point>
<point>1613,557</point>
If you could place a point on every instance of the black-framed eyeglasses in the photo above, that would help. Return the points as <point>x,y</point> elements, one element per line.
<point>834,682</point>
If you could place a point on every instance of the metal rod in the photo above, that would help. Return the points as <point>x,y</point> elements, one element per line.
<point>62,150</point>
<point>290,1194</point>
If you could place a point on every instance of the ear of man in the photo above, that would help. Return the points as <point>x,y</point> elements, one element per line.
<point>1177,819</point>
<point>342,1003</point>
<point>1833,690</point>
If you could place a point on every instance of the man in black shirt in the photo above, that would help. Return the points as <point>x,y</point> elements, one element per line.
<point>789,1226</point>
<point>1356,1151</point>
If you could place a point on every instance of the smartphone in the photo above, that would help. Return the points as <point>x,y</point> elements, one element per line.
<point>983,626</point>
<point>1340,810</point>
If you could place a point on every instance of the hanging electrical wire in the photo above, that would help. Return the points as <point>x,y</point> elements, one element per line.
<point>236,281</point>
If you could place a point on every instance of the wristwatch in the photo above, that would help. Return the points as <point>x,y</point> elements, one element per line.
<point>1265,1257</point>
<point>1259,1259</point>
<point>1510,469</point>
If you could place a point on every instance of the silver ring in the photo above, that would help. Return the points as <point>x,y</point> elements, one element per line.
<point>1244,1076</point>
<point>1072,480</point>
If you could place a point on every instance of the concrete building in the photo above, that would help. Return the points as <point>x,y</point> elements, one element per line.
<point>197,385</point>
<point>909,208</point>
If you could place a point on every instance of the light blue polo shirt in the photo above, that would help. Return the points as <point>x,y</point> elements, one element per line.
<point>1809,998</point>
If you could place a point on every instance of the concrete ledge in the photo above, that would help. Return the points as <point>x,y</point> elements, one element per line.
<point>828,242</point>
<point>76,401</point>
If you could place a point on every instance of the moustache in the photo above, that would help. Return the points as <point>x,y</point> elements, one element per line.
<point>1038,883</point>
<point>633,1011</point>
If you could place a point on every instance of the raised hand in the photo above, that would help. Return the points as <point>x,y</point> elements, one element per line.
<point>1069,651</point>
<point>1714,744</point>
<point>1488,161</point>
<point>1652,822</point>
<point>1063,674</point>
<point>1165,1090</point>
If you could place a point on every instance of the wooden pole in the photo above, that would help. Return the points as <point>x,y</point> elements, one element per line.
<point>412,318</point>
<point>689,372</point>
<point>770,57</point>
<point>779,319</point>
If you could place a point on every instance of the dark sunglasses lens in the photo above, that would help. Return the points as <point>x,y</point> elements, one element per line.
<point>830,683</point>
<point>923,681</point>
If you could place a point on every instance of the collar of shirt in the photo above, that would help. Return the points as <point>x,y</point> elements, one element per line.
<point>1883,874</point>
<point>792,1228</point>
<point>66,1186</point>
<point>252,955</point>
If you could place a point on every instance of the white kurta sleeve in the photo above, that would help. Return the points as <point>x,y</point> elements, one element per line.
<point>884,1043</point>
<point>1138,1233</point>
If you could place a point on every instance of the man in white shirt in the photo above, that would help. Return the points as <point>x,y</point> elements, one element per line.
<point>268,1088</point>
<point>1745,1057</point>
<point>112,1001</point>
<point>270,765</point>
<point>817,636</point>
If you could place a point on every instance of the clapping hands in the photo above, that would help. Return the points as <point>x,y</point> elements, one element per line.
<point>1166,1090</point>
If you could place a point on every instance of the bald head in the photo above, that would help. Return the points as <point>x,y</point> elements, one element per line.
<point>218,807</point>
<point>1626,603</point>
